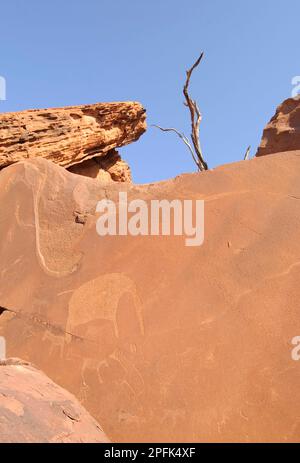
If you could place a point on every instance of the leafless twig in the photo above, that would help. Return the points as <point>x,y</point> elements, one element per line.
<point>196,118</point>
<point>247,153</point>
<point>180,135</point>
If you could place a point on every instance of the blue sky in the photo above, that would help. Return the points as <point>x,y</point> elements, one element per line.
<point>56,53</point>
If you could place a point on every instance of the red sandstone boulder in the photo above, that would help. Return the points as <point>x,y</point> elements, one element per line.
<point>33,409</point>
<point>74,137</point>
<point>283,131</point>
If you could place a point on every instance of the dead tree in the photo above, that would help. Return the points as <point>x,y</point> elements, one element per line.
<point>247,154</point>
<point>195,146</point>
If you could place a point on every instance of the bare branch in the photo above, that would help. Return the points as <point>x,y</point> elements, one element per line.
<point>195,116</point>
<point>189,73</point>
<point>247,153</point>
<point>183,138</point>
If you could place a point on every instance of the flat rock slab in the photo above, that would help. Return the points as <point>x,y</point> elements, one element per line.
<point>158,341</point>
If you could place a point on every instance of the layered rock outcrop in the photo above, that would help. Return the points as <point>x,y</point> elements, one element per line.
<point>73,135</point>
<point>282,133</point>
<point>159,341</point>
<point>110,168</point>
<point>33,409</point>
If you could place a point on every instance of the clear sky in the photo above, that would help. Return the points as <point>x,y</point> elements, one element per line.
<point>68,52</point>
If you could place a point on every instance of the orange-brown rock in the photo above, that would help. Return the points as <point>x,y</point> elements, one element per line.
<point>283,131</point>
<point>159,341</point>
<point>70,135</point>
<point>33,409</point>
<point>110,168</point>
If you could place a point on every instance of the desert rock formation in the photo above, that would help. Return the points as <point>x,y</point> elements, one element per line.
<point>110,168</point>
<point>35,410</point>
<point>160,342</point>
<point>73,135</point>
<point>282,133</point>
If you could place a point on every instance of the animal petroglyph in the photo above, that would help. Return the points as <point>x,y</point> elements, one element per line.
<point>98,299</point>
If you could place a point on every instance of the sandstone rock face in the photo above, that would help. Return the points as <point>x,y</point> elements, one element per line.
<point>159,341</point>
<point>110,168</point>
<point>33,409</point>
<point>72,135</point>
<point>283,131</point>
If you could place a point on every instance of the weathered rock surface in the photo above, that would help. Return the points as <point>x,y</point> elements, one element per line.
<point>283,131</point>
<point>33,409</point>
<point>71,135</point>
<point>110,168</point>
<point>160,342</point>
